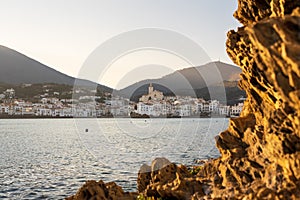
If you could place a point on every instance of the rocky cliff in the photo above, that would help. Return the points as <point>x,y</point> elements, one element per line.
<point>260,151</point>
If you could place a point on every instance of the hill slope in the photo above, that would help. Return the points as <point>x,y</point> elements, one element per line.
<point>16,68</point>
<point>193,81</point>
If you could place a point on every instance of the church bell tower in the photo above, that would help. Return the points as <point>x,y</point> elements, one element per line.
<point>150,89</point>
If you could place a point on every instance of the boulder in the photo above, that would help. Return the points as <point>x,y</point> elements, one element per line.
<point>101,191</point>
<point>168,181</point>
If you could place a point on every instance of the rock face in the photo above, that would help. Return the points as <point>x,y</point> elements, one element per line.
<point>167,180</point>
<point>260,151</point>
<point>100,191</point>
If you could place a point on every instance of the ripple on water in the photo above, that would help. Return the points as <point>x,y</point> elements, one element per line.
<point>48,159</point>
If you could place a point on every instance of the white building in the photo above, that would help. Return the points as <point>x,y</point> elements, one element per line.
<point>28,110</point>
<point>224,110</point>
<point>205,108</point>
<point>213,106</point>
<point>117,101</point>
<point>43,112</point>
<point>236,109</point>
<point>151,109</point>
<point>67,112</point>
<point>185,110</point>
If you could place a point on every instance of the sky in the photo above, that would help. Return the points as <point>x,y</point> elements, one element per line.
<point>63,34</point>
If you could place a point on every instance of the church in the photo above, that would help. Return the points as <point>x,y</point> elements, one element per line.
<point>153,95</point>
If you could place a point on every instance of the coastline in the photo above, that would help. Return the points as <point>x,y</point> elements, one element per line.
<point>31,117</point>
<point>108,117</point>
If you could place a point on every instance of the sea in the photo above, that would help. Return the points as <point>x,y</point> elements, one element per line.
<point>52,158</point>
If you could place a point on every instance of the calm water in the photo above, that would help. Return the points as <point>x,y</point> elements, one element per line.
<point>52,158</point>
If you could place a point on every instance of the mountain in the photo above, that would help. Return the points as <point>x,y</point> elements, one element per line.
<point>16,68</point>
<point>207,81</point>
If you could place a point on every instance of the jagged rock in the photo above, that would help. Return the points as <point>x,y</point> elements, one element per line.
<point>260,150</point>
<point>249,12</point>
<point>167,180</point>
<point>101,191</point>
<point>144,177</point>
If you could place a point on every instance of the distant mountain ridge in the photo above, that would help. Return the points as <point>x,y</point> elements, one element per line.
<point>200,81</point>
<point>16,68</point>
<point>206,81</point>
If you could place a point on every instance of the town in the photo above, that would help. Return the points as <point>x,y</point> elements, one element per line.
<point>153,104</point>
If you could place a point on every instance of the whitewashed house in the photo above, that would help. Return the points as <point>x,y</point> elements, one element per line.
<point>224,110</point>
<point>236,109</point>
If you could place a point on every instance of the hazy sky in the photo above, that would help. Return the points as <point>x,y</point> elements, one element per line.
<point>63,33</point>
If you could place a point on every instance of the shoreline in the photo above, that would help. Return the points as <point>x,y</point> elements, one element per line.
<point>67,117</point>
